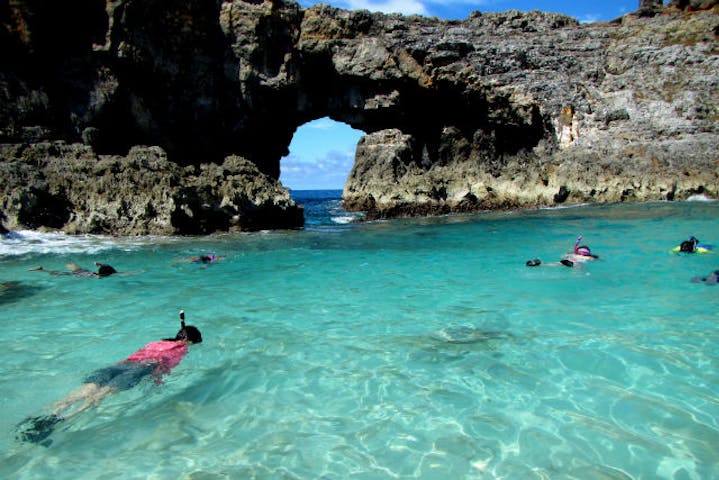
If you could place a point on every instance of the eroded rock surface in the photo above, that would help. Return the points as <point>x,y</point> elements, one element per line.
<point>500,110</point>
<point>69,187</point>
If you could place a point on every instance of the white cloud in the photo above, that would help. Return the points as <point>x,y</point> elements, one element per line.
<point>406,7</point>
<point>329,171</point>
<point>321,124</point>
<point>590,18</point>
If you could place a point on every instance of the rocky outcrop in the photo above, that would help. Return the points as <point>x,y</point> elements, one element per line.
<point>69,187</point>
<point>552,112</point>
<point>500,110</point>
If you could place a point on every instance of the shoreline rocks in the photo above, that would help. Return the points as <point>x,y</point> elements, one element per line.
<point>64,187</point>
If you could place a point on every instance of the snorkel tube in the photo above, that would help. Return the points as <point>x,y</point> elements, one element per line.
<point>582,250</point>
<point>182,334</point>
<point>576,244</point>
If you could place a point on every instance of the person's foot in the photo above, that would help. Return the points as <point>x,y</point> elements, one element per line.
<point>34,269</point>
<point>534,263</point>
<point>37,429</point>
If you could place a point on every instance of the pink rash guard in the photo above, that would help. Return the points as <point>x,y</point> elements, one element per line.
<point>166,354</point>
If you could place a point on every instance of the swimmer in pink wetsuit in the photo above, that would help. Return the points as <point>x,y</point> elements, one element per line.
<point>153,360</point>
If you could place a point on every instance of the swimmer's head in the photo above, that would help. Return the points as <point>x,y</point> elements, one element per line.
<point>584,250</point>
<point>104,270</point>
<point>688,246</point>
<point>193,334</point>
<point>188,332</point>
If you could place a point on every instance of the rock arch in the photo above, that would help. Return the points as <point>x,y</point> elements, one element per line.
<point>321,155</point>
<point>459,115</point>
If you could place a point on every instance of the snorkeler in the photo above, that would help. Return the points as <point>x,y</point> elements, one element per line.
<point>711,279</point>
<point>205,259</point>
<point>692,245</point>
<point>580,254</point>
<point>104,270</point>
<point>153,360</point>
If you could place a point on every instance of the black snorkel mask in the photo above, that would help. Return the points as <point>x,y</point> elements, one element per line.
<point>187,332</point>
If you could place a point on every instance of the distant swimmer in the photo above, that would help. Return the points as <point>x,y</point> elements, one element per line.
<point>205,259</point>
<point>104,270</point>
<point>692,245</point>
<point>711,279</point>
<point>580,254</point>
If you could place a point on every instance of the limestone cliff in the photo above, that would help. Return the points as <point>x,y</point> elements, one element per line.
<point>497,111</point>
<point>538,110</point>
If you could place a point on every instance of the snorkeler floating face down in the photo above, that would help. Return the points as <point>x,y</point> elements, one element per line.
<point>205,259</point>
<point>151,361</point>
<point>104,270</point>
<point>580,254</point>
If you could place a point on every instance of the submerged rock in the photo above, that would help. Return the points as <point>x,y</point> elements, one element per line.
<point>464,334</point>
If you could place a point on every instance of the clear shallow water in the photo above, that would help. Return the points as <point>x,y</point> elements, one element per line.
<point>417,348</point>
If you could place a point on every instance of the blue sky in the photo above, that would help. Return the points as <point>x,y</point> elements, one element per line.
<point>322,151</point>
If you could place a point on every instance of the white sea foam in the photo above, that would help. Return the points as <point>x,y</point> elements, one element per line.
<point>344,219</point>
<point>700,198</point>
<point>30,242</point>
<point>564,206</point>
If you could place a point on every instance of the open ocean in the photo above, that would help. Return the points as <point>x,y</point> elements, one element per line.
<point>412,348</point>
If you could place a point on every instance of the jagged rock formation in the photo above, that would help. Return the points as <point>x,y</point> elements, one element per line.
<point>69,187</point>
<point>496,111</point>
<point>548,111</point>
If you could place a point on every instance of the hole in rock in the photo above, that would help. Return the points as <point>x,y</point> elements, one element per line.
<point>321,156</point>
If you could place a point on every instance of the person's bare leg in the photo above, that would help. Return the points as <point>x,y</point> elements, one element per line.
<point>89,393</point>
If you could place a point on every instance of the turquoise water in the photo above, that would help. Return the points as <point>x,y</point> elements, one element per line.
<point>420,348</point>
